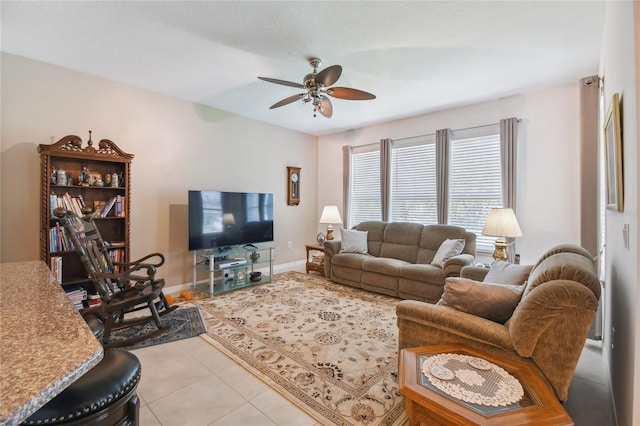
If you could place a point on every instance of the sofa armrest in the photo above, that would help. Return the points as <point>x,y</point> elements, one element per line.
<point>331,248</point>
<point>421,324</point>
<point>454,265</point>
<point>476,273</point>
<point>550,325</point>
<point>559,308</point>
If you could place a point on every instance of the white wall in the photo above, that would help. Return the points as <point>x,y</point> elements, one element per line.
<point>622,347</point>
<point>177,145</point>
<point>548,188</point>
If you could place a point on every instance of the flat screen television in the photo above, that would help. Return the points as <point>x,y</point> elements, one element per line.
<point>220,219</point>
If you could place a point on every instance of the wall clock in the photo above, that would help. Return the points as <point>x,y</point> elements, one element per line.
<point>293,186</point>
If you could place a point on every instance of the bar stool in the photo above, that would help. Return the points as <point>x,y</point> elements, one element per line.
<point>105,395</point>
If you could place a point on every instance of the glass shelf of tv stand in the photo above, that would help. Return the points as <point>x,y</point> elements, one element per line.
<point>214,263</point>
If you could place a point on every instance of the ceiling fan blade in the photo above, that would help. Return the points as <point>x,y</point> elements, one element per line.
<point>282,82</point>
<point>326,108</point>
<point>286,101</point>
<point>329,75</point>
<point>350,94</point>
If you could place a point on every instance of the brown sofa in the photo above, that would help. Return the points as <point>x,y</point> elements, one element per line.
<point>548,326</point>
<point>398,259</point>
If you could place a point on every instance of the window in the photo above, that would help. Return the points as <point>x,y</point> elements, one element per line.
<point>470,167</point>
<point>413,180</point>
<point>364,201</point>
<point>475,180</point>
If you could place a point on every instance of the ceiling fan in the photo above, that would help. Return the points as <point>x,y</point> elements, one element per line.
<point>317,87</point>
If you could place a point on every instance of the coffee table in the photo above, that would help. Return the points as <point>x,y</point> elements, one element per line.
<point>430,405</point>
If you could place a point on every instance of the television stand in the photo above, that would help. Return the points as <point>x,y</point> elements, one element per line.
<point>233,270</point>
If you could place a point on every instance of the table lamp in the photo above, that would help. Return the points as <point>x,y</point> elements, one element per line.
<point>501,223</point>
<point>330,215</point>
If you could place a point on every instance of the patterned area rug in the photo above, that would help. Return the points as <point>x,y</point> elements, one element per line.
<point>328,348</point>
<point>185,322</point>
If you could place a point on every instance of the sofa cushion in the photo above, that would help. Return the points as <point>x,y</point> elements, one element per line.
<point>349,260</point>
<point>354,241</point>
<point>502,272</point>
<point>495,302</point>
<point>434,235</point>
<point>383,265</point>
<point>375,236</point>
<point>401,241</point>
<point>448,249</point>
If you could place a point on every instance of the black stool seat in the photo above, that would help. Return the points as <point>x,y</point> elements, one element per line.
<point>105,395</point>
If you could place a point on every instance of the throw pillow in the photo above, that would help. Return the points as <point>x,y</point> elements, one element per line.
<point>502,272</point>
<point>495,302</point>
<point>354,241</point>
<point>447,249</point>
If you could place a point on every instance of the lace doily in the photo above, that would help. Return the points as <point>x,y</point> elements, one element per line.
<point>472,379</point>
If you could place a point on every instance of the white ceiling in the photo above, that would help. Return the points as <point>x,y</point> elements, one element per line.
<point>416,57</point>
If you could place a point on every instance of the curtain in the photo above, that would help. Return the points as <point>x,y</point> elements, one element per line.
<point>508,143</point>
<point>385,178</point>
<point>589,130</point>
<point>443,137</point>
<point>346,185</point>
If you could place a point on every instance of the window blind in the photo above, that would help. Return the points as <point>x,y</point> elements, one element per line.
<point>365,201</point>
<point>413,180</point>
<point>475,180</point>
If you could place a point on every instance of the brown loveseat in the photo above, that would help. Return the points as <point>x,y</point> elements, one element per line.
<point>547,329</point>
<point>397,259</point>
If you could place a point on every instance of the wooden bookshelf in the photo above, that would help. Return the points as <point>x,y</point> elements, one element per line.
<point>70,155</point>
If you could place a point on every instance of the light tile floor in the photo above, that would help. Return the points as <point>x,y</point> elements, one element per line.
<point>189,382</point>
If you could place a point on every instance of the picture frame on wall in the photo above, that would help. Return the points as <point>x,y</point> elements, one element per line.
<point>613,155</point>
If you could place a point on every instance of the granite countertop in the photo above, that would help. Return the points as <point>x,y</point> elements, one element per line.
<point>46,345</point>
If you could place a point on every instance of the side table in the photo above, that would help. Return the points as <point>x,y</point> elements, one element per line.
<point>427,404</point>
<point>315,263</point>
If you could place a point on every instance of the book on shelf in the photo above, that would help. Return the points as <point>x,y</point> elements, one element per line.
<point>56,268</point>
<point>94,300</point>
<point>77,295</point>
<point>107,207</point>
<point>120,206</point>
<point>68,202</point>
<point>59,240</point>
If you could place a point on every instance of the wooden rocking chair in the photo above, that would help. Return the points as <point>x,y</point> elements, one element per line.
<point>123,287</point>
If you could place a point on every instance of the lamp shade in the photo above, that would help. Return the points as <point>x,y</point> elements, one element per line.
<point>228,219</point>
<point>330,214</point>
<point>502,222</point>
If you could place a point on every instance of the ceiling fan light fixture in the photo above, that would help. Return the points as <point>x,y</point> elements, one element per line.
<point>317,84</point>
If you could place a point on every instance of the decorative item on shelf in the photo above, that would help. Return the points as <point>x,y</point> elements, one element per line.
<point>254,256</point>
<point>121,179</point>
<point>114,180</point>
<point>293,186</point>
<point>84,177</point>
<point>255,276</point>
<point>501,223</point>
<point>61,177</point>
<point>54,177</point>
<point>330,215</point>
<point>107,178</point>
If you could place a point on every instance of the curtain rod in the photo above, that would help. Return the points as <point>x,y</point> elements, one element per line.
<point>433,133</point>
